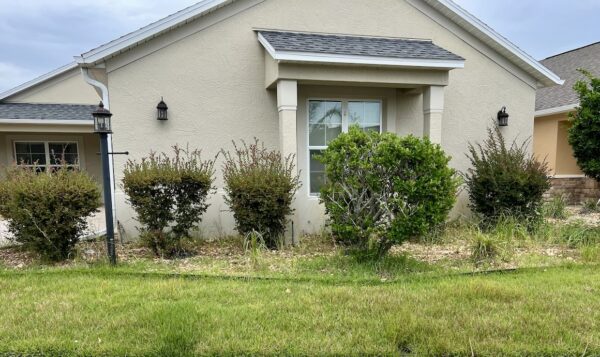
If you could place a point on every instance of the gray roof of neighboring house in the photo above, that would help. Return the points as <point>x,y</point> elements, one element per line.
<point>357,45</point>
<point>46,111</point>
<point>566,65</point>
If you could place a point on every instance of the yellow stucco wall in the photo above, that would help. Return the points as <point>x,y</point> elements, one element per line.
<point>211,73</point>
<point>67,88</point>
<point>550,142</point>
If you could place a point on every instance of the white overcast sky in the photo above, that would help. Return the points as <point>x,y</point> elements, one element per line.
<point>37,36</point>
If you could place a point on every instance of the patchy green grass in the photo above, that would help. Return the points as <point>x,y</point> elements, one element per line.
<point>123,311</point>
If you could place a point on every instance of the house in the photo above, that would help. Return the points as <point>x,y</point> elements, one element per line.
<point>550,135</point>
<point>271,69</point>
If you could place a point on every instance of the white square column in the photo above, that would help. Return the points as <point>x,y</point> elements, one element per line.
<point>287,105</point>
<point>433,112</point>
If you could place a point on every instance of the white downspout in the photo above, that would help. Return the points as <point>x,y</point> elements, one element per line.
<point>105,99</point>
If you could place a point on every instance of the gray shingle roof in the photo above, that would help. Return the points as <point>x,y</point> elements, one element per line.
<point>357,45</point>
<point>46,111</point>
<point>566,65</point>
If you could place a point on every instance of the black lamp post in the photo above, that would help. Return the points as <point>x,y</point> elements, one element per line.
<point>503,117</point>
<point>102,126</point>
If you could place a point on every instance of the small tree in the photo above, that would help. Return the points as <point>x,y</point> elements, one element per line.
<point>505,180</point>
<point>382,189</point>
<point>584,135</point>
<point>259,188</point>
<point>169,196</point>
<point>47,211</point>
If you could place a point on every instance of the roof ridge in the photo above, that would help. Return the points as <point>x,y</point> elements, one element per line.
<point>572,50</point>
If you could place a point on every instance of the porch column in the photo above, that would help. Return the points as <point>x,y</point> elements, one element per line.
<point>433,110</point>
<point>287,104</point>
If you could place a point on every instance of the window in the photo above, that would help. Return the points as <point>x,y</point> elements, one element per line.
<point>326,120</point>
<point>46,155</point>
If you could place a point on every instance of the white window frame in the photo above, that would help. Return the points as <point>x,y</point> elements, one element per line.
<point>345,127</point>
<point>47,143</point>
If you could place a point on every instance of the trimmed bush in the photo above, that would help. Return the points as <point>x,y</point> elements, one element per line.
<point>382,189</point>
<point>505,180</point>
<point>169,197</point>
<point>259,188</point>
<point>47,211</point>
<point>584,135</point>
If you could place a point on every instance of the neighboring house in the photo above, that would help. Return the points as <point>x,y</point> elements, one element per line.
<point>295,74</point>
<point>552,108</point>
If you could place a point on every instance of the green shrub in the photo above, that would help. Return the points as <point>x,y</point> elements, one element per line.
<point>556,207</point>
<point>382,189</point>
<point>259,188</point>
<point>47,212</point>
<point>584,134</point>
<point>505,180</point>
<point>169,197</point>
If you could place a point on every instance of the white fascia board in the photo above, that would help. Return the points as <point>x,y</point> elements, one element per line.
<point>38,80</point>
<point>311,57</point>
<point>483,29</point>
<point>556,110</point>
<point>149,31</point>
<point>46,122</point>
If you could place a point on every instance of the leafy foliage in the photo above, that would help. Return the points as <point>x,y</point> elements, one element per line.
<point>382,189</point>
<point>505,180</point>
<point>47,211</point>
<point>259,188</point>
<point>169,196</point>
<point>584,134</point>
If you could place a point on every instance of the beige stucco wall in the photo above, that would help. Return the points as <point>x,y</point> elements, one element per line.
<point>88,144</point>
<point>550,142</point>
<point>67,88</point>
<point>214,83</point>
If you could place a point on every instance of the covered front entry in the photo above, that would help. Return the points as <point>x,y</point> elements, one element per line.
<point>382,84</point>
<point>41,135</point>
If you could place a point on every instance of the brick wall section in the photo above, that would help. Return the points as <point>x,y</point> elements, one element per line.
<point>578,189</point>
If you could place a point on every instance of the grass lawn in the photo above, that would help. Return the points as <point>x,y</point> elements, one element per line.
<point>128,311</point>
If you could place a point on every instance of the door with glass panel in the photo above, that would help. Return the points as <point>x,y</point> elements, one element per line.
<point>326,120</point>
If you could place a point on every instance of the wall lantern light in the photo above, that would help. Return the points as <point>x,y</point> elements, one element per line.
<point>162,109</point>
<point>503,117</point>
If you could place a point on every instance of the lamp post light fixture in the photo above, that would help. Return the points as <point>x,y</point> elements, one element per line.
<point>162,109</point>
<point>503,117</point>
<point>102,126</point>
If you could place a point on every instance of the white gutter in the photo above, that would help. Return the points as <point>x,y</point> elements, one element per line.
<point>46,122</point>
<point>556,110</point>
<point>106,100</point>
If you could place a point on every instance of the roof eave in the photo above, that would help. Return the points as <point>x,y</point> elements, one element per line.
<point>543,75</point>
<point>325,58</point>
<point>38,80</point>
<point>133,39</point>
<point>556,110</point>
